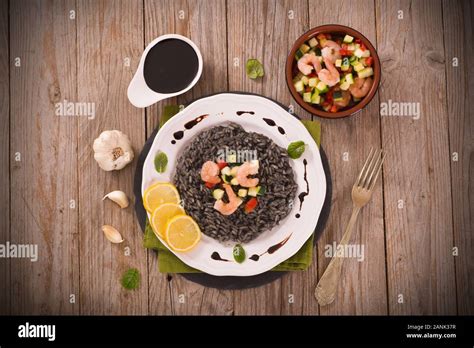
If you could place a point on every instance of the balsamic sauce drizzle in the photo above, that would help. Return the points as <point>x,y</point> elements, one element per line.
<point>270,250</point>
<point>187,126</point>
<point>215,256</point>
<point>240,113</point>
<point>272,123</point>
<point>302,195</point>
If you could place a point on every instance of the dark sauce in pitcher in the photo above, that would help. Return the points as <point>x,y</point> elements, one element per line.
<point>170,66</point>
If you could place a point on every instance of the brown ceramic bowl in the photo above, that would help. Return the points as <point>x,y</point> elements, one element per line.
<point>331,29</point>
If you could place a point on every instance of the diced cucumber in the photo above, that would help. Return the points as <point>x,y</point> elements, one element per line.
<point>358,67</point>
<point>358,53</point>
<point>312,82</point>
<point>366,72</point>
<point>226,178</point>
<point>234,171</point>
<point>366,54</point>
<point>313,42</point>
<point>262,190</point>
<point>307,97</point>
<point>299,86</point>
<point>218,194</point>
<point>345,85</point>
<point>305,80</point>
<point>345,64</point>
<point>352,59</point>
<point>321,86</point>
<point>298,54</point>
<point>242,193</point>
<point>304,48</point>
<point>337,96</point>
<point>253,191</point>
<point>348,39</point>
<point>315,99</point>
<point>349,78</point>
<point>298,77</point>
<point>234,181</point>
<point>312,52</point>
<point>318,51</point>
<point>338,63</point>
<point>225,170</point>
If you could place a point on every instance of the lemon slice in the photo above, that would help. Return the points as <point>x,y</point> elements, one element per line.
<point>158,194</point>
<point>182,233</point>
<point>161,216</point>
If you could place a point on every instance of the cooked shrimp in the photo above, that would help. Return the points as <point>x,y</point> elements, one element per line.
<point>330,75</point>
<point>246,169</point>
<point>331,51</point>
<point>360,87</point>
<point>346,98</point>
<point>210,172</point>
<point>305,62</point>
<point>234,202</point>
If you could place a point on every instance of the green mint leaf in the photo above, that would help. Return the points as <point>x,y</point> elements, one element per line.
<point>161,161</point>
<point>239,253</point>
<point>254,68</point>
<point>296,149</point>
<point>131,279</point>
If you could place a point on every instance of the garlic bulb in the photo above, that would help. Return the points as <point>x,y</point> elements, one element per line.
<point>112,150</point>
<point>112,234</point>
<point>118,197</point>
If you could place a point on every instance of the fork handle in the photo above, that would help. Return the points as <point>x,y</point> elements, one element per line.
<point>327,286</point>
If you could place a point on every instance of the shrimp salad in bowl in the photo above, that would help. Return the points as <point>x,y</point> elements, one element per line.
<point>332,72</point>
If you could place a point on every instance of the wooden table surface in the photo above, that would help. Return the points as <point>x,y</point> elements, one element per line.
<point>417,231</point>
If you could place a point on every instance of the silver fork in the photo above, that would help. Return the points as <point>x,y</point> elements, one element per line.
<point>361,193</point>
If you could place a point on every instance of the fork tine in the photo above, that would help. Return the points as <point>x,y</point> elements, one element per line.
<point>364,167</point>
<point>370,168</point>
<point>372,184</point>
<point>373,170</point>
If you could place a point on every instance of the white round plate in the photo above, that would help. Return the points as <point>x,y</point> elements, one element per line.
<point>222,109</point>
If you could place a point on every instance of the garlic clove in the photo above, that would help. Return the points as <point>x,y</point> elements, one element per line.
<point>112,234</point>
<point>118,197</point>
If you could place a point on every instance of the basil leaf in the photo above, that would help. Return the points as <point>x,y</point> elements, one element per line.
<point>296,149</point>
<point>161,161</point>
<point>131,279</point>
<point>239,253</point>
<point>254,68</point>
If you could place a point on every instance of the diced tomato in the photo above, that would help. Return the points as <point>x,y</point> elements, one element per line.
<point>328,36</point>
<point>209,185</point>
<point>222,164</point>
<point>312,74</point>
<point>362,47</point>
<point>369,61</point>
<point>251,205</point>
<point>345,52</point>
<point>325,103</point>
<point>344,46</point>
<point>321,36</point>
<point>307,89</point>
<point>333,108</point>
<point>357,40</point>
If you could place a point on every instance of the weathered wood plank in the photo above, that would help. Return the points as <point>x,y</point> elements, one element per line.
<point>266,30</point>
<point>108,32</point>
<point>347,143</point>
<point>458,17</point>
<point>419,230</point>
<point>204,22</point>
<point>45,180</point>
<point>4,157</point>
